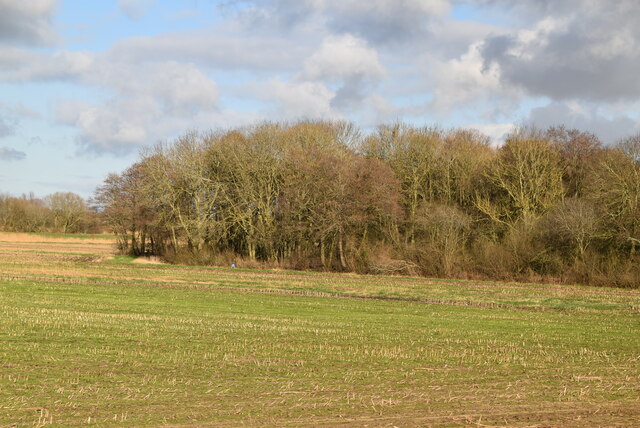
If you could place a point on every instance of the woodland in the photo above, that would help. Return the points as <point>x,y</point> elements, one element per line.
<point>547,205</point>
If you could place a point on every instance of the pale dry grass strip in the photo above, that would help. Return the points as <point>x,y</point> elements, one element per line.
<point>149,260</point>
<point>28,237</point>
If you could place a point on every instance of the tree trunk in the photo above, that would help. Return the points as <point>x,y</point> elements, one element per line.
<point>322,256</point>
<point>363,241</point>
<point>175,240</point>
<point>332,252</point>
<point>341,252</point>
<point>143,243</point>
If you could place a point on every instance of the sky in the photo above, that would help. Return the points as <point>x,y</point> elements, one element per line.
<point>86,85</point>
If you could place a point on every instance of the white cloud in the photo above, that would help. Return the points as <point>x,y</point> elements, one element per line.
<point>114,127</point>
<point>148,101</point>
<point>382,20</point>
<point>378,21</point>
<point>17,65</point>
<point>206,48</point>
<point>465,81</point>
<point>348,62</point>
<point>497,132</point>
<point>27,22</point>
<point>296,100</point>
<point>219,49</point>
<point>177,88</point>
<point>453,38</point>
<point>575,50</point>
<point>140,94</point>
<point>366,59</point>
<point>343,57</point>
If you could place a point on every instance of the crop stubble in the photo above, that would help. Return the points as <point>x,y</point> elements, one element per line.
<point>87,339</point>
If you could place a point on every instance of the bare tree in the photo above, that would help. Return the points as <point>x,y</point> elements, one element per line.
<point>122,200</point>
<point>616,189</point>
<point>185,191</point>
<point>572,225</point>
<point>403,199</point>
<point>67,210</point>
<point>413,156</point>
<point>525,182</point>
<point>579,151</point>
<point>251,169</point>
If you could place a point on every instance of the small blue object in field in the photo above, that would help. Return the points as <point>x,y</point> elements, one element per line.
<point>233,265</point>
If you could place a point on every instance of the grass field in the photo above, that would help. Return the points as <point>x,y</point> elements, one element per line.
<point>87,338</point>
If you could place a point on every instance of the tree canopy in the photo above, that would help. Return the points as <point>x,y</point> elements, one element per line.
<point>554,204</point>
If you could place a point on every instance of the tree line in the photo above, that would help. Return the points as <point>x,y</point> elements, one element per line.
<point>63,212</point>
<point>547,205</point>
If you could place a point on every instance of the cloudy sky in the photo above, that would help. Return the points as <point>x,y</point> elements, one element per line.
<point>85,84</point>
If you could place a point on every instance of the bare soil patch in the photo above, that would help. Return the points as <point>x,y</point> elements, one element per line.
<point>149,260</point>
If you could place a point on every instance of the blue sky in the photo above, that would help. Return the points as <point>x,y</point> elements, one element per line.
<point>84,86</point>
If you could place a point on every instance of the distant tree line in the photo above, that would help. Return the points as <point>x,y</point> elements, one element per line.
<point>547,205</point>
<point>62,212</point>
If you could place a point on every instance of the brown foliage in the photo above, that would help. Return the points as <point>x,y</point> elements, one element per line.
<point>546,205</point>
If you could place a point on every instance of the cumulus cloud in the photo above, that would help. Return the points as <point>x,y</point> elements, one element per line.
<point>382,20</point>
<point>453,38</point>
<point>120,126</point>
<point>295,100</point>
<point>215,49</point>
<point>342,57</point>
<point>541,8</point>
<point>464,81</point>
<point>146,95</point>
<point>135,9</point>
<point>207,49</point>
<point>177,88</point>
<point>114,127</point>
<point>378,21</point>
<point>349,62</point>
<point>576,50</point>
<point>371,59</point>
<point>147,99</point>
<point>204,48</point>
<point>9,154</point>
<point>18,65</point>
<point>143,97</point>
<point>27,22</point>
<point>338,76</point>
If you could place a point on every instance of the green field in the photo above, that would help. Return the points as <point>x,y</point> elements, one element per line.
<point>86,339</point>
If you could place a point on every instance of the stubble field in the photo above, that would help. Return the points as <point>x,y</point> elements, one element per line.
<point>88,338</point>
